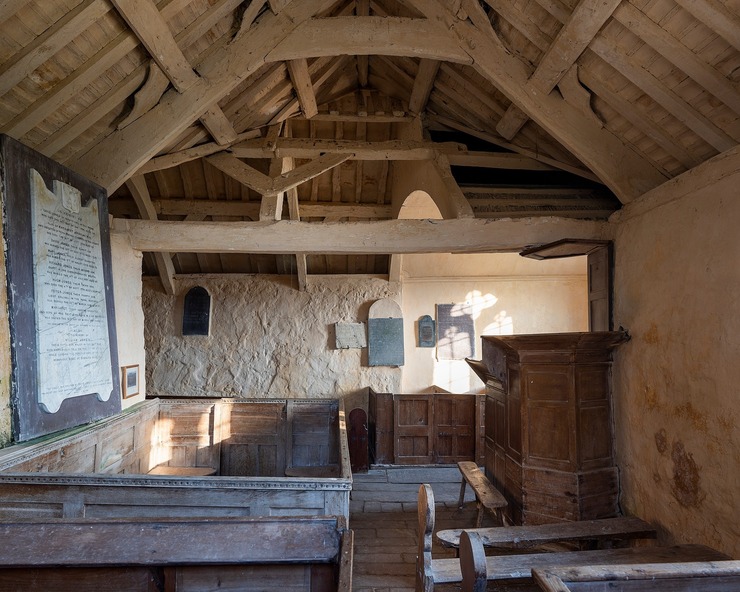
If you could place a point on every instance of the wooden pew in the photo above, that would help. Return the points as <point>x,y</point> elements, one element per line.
<point>527,537</point>
<point>309,554</point>
<point>712,576</point>
<point>476,569</point>
<point>486,495</point>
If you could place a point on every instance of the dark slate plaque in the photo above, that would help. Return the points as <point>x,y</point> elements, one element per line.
<point>196,314</point>
<point>455,332</point>
<point>426,332</point>
<point>30,417</point>
<point>385,342</point>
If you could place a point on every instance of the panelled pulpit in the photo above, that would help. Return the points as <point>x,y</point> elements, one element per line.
<point>548,434</point>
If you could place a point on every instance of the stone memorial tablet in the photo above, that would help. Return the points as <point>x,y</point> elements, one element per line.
<point>71,317</point>
<point>426,331</point>
<point>350,335</point>
<point>455,332</point>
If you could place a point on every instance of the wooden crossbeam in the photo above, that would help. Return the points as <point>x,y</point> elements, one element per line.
<point>307,209</point>
<point>242,172</point>
<point>284,237</point>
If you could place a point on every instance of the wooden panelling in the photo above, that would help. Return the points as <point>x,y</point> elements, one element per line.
<point>414,429</point>
<point>253,439</point>
<point>381,422</point>
<point>560,412</point>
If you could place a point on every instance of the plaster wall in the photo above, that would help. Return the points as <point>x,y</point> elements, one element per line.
<point>676,381</point>
<point>505,294</point>
<point>126,266</point>
<point>267,339</point>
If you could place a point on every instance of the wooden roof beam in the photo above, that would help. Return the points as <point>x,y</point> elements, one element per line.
<point>463,235</point>
<point>363,61</point>
<point>152,30</point>
<point>423,84</point>
<point>301,79</point>
<point>628,174</point>
<point>242,172</point>
<point>221,72</point>
<point>574,37</point>
<point>165,267</point>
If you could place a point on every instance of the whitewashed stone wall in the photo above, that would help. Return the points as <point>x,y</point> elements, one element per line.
<point>267,339</point>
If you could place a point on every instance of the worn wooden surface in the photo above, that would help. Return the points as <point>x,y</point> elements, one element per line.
<point>518,568</point>
<point>487,497</point>
<point>708,576</point>
<point>307,554</point>
<point>548,425</point>
<point>525,537</point>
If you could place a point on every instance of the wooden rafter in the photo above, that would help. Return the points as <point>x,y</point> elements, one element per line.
<point>363,62</point>
<point>423,84</point>
<point>152,30</point>
<point>583,25</point>
<point>220,73</point>
<point>301,78</point>
<point>717,17</point>
<point>601,151</point>
<point>165,268</point>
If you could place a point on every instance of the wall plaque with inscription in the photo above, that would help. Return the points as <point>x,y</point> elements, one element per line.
<point>60,295</point>
<point>71,317</point>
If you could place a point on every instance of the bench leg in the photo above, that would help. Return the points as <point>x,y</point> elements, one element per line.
<point>479,518</point>
<point>461,501</point>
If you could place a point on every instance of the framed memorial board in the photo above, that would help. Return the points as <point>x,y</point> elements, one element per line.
<point>60,294</point>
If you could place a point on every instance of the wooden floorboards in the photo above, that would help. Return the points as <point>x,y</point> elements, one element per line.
<point>386,524</point>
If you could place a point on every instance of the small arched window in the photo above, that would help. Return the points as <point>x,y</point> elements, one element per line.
<point>196,314</point>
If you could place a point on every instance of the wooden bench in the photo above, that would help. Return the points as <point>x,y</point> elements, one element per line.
<point>137,554</point>
<point>714,576</point>
<point>518,568</point>
<point>527,537</point>
<point>486,495</point>
<point>474,569</point>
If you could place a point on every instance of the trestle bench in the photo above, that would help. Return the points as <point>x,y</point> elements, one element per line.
<point>474,569</point>
<point>144,555</point>
<point>477,569</point>
<point>486,495</point>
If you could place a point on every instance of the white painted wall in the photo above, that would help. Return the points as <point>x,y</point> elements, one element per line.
<point>126,266</point>
<point>676,381</point>
<point>505,293</point>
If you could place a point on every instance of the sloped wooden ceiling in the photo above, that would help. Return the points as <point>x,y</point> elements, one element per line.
<point>214,122</point>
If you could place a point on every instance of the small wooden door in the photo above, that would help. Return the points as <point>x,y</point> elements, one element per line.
<point>455,429</point>
<point>414,433</point>
<point>358,441</point>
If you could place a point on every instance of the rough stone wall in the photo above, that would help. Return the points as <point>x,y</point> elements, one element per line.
<point>676,381</point>
<point>267,339</point>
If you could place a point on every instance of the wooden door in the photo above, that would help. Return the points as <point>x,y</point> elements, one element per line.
<point>358,441</point>
<point>455,428</point>
<point>414,433</point>
<point>600,289</point>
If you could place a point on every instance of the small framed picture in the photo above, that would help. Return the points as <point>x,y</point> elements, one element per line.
<point>130,380</point>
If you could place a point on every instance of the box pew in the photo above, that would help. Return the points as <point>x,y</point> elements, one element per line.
<point>710,576</point>
<point>473,569</point>
<point>103,470</point>
<point>293,554</point>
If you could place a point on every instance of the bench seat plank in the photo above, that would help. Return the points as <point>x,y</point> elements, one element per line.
<point>486,495</point>
<point>142,541</point>
<point>518,567</point>
<point>525,537</point>
<point>702,576</point>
